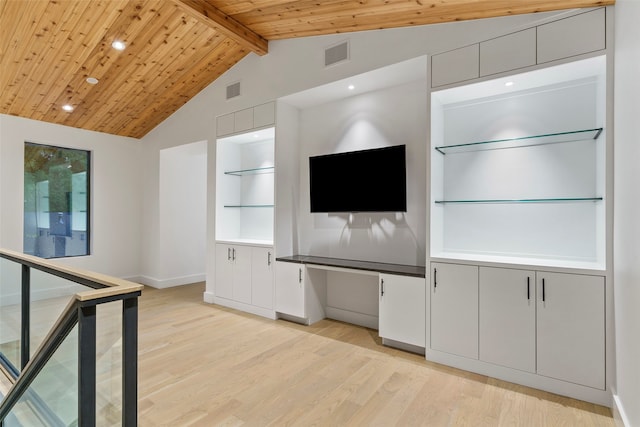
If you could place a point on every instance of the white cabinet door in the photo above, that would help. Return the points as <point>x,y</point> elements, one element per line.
<point>508,318</point>
<point>454,309</point>
<point>264,115</point>
<point>455,66</point>
<point>572,36</point>
<point>241,257</point>
<point>224,272</point>
<point>571,328</point>
<point>508,52</point>
<point>243,120</point>
<point>262,277</point>
<point>290,292</point>
<point>402,309</point>
<point>225,125</point>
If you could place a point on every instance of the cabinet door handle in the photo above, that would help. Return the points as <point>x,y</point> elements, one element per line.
<point>528,289</point>
<point>228,254</point>
<point>543,296</point>
<point>381,287</point>
<point>299,275</point>
<point>435,278</point>
<point>268,258</point>
<point>233,251</point>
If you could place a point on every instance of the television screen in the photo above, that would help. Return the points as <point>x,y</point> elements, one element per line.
<point>359,181</point>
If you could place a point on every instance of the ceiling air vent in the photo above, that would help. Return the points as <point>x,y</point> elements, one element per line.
<point>336,54</point>
<point>233,90</point>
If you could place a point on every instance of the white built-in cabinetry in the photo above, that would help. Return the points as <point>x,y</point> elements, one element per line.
<point>244,120</point>
<point>572,36</point>
<point>454,309</point>
<point>520,207</point>
<point>244,274</point>
<point>507,321</point>
<point>245,169</point>
<point>570,325</point>
<point>551,324</point>
<point>402,309</point>
<point>297,295</point>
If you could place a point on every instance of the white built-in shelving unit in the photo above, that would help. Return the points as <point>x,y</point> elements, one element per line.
<point>517,173</point>
<point>245,205</point>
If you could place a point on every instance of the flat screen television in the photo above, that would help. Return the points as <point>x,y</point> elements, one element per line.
<point>359,181</point>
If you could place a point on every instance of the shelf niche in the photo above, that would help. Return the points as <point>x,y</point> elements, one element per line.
<point>518,171</point>
<point>245,186</point>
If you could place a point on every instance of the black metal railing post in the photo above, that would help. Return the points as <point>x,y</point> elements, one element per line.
<point>25,326</point>
<point>87,365</point>
<point>130,362</point>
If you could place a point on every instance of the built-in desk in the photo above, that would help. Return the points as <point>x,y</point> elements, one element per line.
<point>362,266</point>
<point>383,296</point>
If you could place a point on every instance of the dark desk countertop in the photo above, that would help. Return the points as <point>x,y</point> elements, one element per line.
<point>381,267</point>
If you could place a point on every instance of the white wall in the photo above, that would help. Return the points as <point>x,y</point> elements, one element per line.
<point>115,192</point>
<point>391,116</point>
<point>627,210</point>
<point>289,67</point>
<point>182,215</point>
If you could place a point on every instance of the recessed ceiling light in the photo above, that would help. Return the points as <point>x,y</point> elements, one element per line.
<point>508,84</point>
<point>92,80</point>
<point>68,108</point>
<point>351,87</point>
<point>118,45</point>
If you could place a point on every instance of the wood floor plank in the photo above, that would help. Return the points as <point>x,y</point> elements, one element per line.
<point>205,365</point>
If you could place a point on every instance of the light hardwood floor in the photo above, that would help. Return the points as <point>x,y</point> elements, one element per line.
<point>205,365</point>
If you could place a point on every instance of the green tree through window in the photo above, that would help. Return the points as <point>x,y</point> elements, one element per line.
<point>56,201</point>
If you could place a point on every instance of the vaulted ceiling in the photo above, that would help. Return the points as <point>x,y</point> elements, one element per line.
<point>175,48</point>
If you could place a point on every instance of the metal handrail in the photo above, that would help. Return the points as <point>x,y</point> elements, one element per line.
<point>81,311</point>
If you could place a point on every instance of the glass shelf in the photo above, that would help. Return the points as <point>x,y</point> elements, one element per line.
<point>254,171</point>
<point>248,206</point>
<point>525,141</point>
<point>555,200</point>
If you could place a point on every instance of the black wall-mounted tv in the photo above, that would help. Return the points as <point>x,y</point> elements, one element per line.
<point>359,181</point>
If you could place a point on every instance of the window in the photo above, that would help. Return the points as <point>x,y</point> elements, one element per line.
<point>56,201</point>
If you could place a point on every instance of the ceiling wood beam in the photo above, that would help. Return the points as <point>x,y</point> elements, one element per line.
<point>214,18</point>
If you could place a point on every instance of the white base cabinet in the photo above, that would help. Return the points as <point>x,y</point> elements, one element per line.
<point>290,281</point>
<point>571,328</point>
<point>548,324</point>
<point>507,318</point>
<point>262,273</point>
<point>244,275</point>
<point>454,309</point>
<point>402,309</point>
<point>301,292</point>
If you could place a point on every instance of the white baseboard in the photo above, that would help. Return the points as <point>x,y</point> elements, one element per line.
<point>366,320</point>
<point>403,346</point>
<point>208,297</point>
<point>169,283</point>
<point>248,308</point>
<point>619,416</point>
<point>529,379</point>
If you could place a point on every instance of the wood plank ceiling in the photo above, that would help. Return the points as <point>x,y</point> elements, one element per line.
<point>175,48</point>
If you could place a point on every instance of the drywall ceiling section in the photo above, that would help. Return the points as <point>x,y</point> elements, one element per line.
<point>393,75</point>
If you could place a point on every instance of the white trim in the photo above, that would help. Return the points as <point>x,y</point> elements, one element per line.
<point>619,416</point>
<point>360,319</point>
<point>168,283</point>
<point>529,379</point>
<point>248,308</point>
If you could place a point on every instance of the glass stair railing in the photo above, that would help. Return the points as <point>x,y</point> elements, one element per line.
<point>68,339</point>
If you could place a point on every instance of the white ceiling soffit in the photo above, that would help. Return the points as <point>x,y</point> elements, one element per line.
<point>573,71</point>
<point>393,75</point>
